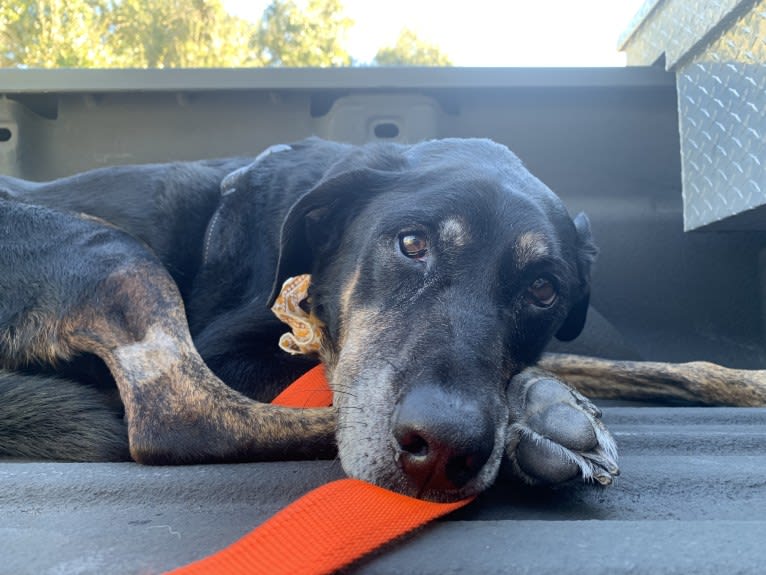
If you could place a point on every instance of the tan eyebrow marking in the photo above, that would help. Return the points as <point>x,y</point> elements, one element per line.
<point>530,246</point>
<point>453,230</point>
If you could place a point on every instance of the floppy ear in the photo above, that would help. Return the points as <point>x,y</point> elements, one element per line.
<point>586,255</point>
<point>314,224</point>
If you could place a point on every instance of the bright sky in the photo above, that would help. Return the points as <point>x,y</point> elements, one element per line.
<point>488,32</point>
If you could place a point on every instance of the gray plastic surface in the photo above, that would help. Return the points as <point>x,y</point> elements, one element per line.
<point>691,499</point>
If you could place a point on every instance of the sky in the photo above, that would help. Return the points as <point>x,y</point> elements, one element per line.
<point>488,32</point>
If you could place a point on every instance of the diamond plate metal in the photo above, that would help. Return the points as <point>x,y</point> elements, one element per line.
<point>722,110</point>
<point>718,51</point>
<point>674,28</point>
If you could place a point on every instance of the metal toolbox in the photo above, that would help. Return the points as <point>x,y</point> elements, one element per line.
<point>717,51</point>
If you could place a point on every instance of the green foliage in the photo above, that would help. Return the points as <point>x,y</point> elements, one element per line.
<point>186,33</point>
<point>409,50</point>
<point>53,33</point>
<point>122,33</point>
<point>178,33</point>
<point>309,33</point>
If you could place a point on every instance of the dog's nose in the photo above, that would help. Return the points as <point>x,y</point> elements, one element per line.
<point>441,440</point>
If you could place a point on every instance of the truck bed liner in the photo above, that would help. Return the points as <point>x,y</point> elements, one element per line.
<point>691,499</point>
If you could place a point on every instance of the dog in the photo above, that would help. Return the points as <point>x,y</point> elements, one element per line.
<point>439,273</point>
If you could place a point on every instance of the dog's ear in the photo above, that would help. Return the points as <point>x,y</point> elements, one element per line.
<point>315,222</point>
<point>586,255</point>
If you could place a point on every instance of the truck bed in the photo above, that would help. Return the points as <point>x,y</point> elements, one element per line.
<point>691,499</point>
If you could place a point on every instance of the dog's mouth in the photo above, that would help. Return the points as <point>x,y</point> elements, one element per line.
<point>438,481</point>
<point>430,444</point>
<point>443,479</point>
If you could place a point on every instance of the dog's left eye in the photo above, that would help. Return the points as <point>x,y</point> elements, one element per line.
<point>542,292</point>
<point>414,245</point>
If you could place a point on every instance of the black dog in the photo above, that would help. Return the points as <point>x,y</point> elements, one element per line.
<point>439,271</point>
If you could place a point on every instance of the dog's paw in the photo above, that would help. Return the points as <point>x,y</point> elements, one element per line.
<point>555,434</point>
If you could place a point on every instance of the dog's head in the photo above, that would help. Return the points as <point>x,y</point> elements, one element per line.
<point>439,271</point>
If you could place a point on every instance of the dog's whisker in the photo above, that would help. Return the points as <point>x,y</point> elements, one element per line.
<point>344,392</point>
<point>351,407</point>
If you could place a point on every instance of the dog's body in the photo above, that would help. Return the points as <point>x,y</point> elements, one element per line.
<point>439,273</point>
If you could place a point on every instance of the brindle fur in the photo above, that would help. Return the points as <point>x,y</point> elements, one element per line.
<point>693,383</point>
<point>125,309</point>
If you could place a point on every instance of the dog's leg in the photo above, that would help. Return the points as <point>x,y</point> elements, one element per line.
<point>555,433</point>
<point>176,409</point>
<point>74,285</point>
<point>695,383</point>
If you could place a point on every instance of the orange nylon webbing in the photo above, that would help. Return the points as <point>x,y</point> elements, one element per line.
<point>309,390</point>
<point>326,529</point>
<point>329,527</point>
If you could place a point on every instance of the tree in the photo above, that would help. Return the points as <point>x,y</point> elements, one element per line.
<point>309,33</point>
<point>178,34</point>
<point>410,50</point>
<point>169,33</point>
<point>53,33</point>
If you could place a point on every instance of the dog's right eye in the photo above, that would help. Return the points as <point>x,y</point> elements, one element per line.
<point>542,292</point>
<point>414,245</point>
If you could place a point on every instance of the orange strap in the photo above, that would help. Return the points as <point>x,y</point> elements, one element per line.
<point>329,527</point>
<point>323,531</point>
<point>309,390</point>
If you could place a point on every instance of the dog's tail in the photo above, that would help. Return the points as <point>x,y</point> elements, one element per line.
<point>52,418</point>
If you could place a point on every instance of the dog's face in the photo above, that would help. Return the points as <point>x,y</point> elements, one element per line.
<point>438,279</point>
